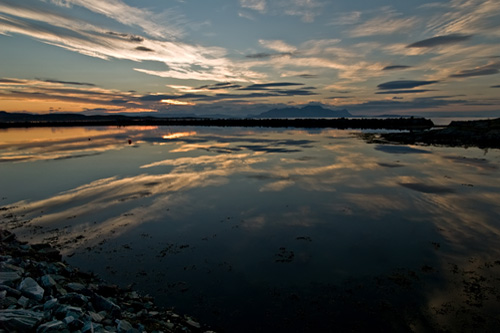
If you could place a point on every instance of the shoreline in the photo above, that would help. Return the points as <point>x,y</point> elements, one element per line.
<point>41,293</point>
<point>340,123</point>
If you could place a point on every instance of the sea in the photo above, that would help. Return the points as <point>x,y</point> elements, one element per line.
<point>267,230</point>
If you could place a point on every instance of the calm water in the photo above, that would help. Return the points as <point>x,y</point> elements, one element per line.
<point>252,230</point>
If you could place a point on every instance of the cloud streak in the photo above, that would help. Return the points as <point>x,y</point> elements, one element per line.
<point>440,40</point>
<point>404,84</point>
<point>490,69</point>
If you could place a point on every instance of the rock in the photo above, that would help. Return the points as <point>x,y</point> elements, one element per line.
<point>23,301</point>
<point>47,281</point>
<point>124,326</point>
<point>96,316</point>
<point>10,291</point>
<point>74,299</point>
<point>31,289</point>
<point>20,320</point>
<point>75,286</point>
<point>91,327</point>
<point>52,327</point>
<point>9,277</point>
<point>51,304</point>
<point>193,323</point>
<point>105,304</point>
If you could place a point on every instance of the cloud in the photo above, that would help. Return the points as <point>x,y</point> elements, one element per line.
<point>306,9</point>
<point>257,5</point>
<point>71,83</point>
<point>394,67</point>
<point>218,86</point>
<point>490,69</point>
<point>403,91</point>
<point>497,86</point>
<point>143,48</point>
<point>184,61</point>
<point>346,18</point>
<point>277,45</point>
<point>308,76</point>
<point>266,86</point>
<point>387,23</point>
<point>441,40</point>
<point>268,55</point>
<point>467,16</point>
<point>117,10</point>
<point>404,84</point>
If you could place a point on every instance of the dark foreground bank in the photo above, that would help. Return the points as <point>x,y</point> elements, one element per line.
<point>40,293</point>
<point>478,133</point>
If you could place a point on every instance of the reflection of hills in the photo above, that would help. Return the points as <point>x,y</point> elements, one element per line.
<point>309,111</point>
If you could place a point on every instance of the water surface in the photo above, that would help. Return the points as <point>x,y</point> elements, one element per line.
<point>267,230</point>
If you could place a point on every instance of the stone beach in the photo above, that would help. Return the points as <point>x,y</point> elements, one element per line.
<point>40,293</point>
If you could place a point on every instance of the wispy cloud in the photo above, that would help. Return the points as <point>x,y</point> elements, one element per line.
<point>467,17</point>
<point>307,10</point>
<point>184,61</point>
<point>387,23</point>
<point>346,18</point>
<point>117,10</point>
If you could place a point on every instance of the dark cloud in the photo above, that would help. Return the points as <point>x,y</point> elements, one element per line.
<point>404,84</point>
<point>394,67</point>
<point>497,86</point>
<point>268,55</point>
<point>222,85</point>
<point>308,76</point>
<point>267,86</point>
<point>490,69</point>
<point>70,83</point>
<point>440,40</point>
<point>390,92</point>
<point>132,38</point>
<point>142,48</point>
<point>337,97</point>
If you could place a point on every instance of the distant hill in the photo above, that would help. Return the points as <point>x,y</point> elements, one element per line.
<point>309,111</point>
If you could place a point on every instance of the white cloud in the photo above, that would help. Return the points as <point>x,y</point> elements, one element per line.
<point>185,61</point>
<point>277,45</point>
<point>128,15</point>
<point>257,5</point>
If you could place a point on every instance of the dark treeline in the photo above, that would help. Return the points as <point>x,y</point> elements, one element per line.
<point>66,120</point>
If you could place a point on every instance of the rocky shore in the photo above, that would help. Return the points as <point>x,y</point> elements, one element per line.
<point>40,293</point>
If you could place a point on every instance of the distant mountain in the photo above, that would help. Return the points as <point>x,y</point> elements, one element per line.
<point>309,111</point>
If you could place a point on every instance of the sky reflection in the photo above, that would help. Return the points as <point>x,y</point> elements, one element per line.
<point>255,209</point>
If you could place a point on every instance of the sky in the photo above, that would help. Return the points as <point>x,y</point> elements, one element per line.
<point>240,57</point>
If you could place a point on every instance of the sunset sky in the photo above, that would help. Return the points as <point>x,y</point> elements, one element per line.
<point>247,56</point>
